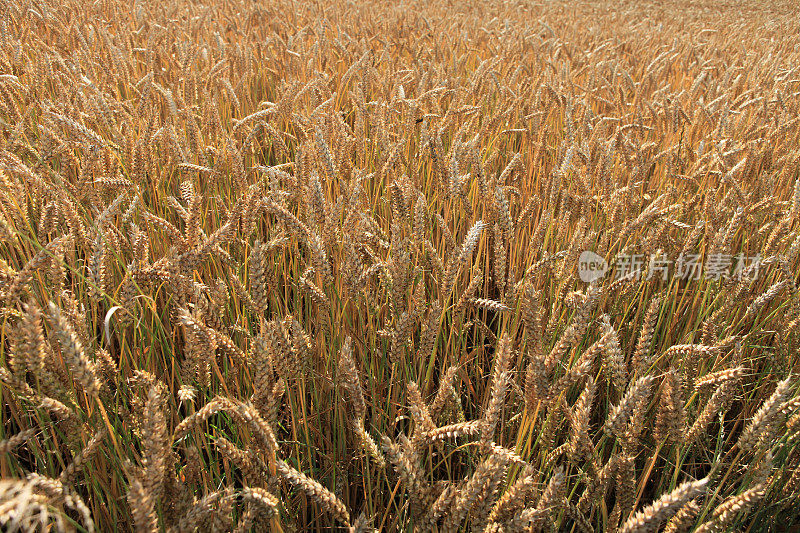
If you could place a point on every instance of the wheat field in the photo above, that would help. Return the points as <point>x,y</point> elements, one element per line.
<point>414,266</point>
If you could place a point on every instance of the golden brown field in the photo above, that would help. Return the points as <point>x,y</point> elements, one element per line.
<point>303,266</point>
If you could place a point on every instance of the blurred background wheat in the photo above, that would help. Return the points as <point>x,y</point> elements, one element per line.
<point>302,266</point>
